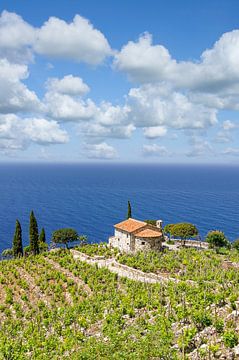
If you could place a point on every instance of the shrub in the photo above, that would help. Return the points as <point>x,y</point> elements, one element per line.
<point>230,338</point>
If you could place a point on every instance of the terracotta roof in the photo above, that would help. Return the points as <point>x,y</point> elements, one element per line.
<point>148,233</point>
<point>130,225</point>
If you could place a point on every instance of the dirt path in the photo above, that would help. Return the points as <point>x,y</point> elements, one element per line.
<point>78,281</point>
<point>122,270</point>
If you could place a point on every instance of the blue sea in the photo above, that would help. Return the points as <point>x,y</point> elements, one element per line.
<point>92,198</point>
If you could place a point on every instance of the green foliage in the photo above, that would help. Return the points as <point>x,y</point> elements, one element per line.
<point>129,215</point>
<point>7,253</point>
<point>33,234</point>
<point>217,239</point>
<point>43,247</point>
<point>47,311</point>
<point>151,222</point>
<point>230,338</point>
<point>168,228</point>
<point>42,236</point>
<point>64,236</point>
<point>183,230</point>
<point>26,250</point>
<point>235,244</point>
<point>17,241</point>
<point>83,240</point>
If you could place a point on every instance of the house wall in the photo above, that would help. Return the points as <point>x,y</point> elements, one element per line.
<point>145,244</point>
<point>122,240</point>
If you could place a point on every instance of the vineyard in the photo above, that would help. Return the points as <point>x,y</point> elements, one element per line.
<point>56,307</point>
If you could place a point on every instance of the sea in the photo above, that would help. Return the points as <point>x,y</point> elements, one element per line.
<point>91,198</point>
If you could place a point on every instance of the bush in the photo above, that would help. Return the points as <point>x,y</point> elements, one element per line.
<point>230,338</point>
<point>235,244</point>
<point>217,239</point>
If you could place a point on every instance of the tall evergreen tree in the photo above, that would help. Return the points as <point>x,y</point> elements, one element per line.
<point>42,237</point>
<point>17,241</point>
<point>129,210</point>
<point>33,234</point>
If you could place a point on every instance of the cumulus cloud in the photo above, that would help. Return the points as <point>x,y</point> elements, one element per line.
<point>155,132</point>
<point>68,85</point>
<point>66,108</point>
<point>217,68</point>
<point>154,105</point>
<point>96,130</point>
<point>16,37</point>
<point>78,41</point>
<point>18,133</point>
<point>155,150</point>
<point>14,95</point>
<point>100,151</point>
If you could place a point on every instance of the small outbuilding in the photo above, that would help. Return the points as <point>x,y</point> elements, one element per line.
<point>133,235</point>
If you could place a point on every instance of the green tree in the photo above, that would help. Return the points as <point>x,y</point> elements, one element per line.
<point>129,215</point>
<point>151,222</point>
<point>7,253</point>
<point>217,239</point>
<point>235,244</point>
<point>64,236</point>
<point>168,229</point>
<point>183,231</point>
<point>33,235</point>
<point>17,249</point>
<point>42,237</point>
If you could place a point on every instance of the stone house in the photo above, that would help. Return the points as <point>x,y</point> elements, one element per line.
<point>133,235</point>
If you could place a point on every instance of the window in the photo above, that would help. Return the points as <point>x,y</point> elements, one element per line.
<point>142,243</point>
<point>127,235</point>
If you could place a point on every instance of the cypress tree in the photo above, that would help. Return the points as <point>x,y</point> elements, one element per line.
<point>129,210</point>
<point>17,241</point>
<point>42,237</point>
<point>33,234</point>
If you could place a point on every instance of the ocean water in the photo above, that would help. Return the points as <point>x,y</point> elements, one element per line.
<point>91,198</point>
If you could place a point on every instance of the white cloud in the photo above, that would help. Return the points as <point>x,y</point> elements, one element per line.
<point>66,108</point>
<point>94,129</point>
<point>155,150</point>
<point>154,105</point>
<point>144,62</point>
<point>155,132</point>
<point>100,151</point>
<point>200,148</point>
<point>16,37</point>
<point>78,41</point>
<point>14,95</point>
<point>216,73</point>
<point>231,151</point>
<point>68,85</point>
<point>229,125</point>
<point>17,133</point>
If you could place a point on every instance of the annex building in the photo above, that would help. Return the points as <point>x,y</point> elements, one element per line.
<point>133,235</point>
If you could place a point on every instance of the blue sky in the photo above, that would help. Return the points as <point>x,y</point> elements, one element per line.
<point>121,81</point>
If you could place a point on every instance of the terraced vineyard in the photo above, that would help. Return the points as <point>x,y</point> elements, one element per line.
<point>56,307</point>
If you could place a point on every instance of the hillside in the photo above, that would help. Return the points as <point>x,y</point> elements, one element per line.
<point>54,306</point>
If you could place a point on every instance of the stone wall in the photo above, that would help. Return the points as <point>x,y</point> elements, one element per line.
<point>146,244</point>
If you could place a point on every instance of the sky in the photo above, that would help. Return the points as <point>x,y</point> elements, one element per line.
<point>153,81</point>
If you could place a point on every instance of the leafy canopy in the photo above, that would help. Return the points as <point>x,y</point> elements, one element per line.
<point>183,230</point>
<point>64,236</point>
<point>217,239</point>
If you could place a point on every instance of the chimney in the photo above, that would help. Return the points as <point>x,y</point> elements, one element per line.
<point>159,224</point>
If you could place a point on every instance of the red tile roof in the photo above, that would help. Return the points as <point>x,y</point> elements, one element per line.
<point>130,225</point>
<point>148,233</point>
